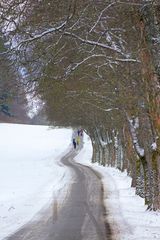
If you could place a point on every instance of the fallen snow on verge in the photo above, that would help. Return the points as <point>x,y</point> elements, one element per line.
<point>30,172</point>
<point>127,213</point>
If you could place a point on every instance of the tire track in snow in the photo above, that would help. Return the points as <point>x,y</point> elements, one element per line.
<point>82,217</point>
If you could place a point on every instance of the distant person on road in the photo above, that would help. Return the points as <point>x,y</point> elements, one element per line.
<point>74,143</point>
<point>78,140</point>
<point>81,132</point>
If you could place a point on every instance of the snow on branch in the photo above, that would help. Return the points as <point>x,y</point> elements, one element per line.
<point>102,45</point>
<point>127,60</point>
<point>100,108</point>
<point>130,3</point>
<point>76,65</point>
<point>94,43</point>
<point>100,16</point>
<point>38,36</point>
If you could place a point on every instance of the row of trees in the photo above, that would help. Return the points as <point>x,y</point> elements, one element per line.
<point>95,64</point>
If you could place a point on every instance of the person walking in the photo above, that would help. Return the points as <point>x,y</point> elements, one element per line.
<point>81,132</point>
<point>78,140</point>
<point>74,143</point>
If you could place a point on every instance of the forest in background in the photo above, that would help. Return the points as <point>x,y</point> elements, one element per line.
<point>13,103</point>
<point>93,64</point>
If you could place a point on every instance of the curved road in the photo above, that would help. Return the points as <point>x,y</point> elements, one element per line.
<point>81,218</point>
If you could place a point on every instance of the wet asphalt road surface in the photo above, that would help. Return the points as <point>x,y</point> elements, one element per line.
<point>81,218</point>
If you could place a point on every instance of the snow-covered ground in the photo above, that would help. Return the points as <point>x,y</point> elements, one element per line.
<point>31,175</point>
<point>125,210</point>
<point>30,172</point>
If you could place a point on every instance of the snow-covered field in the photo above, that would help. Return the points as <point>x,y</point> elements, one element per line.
<point>30,173</point>
<point>127,212</point>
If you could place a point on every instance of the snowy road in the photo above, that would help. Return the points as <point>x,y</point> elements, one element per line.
<point>81,217</point>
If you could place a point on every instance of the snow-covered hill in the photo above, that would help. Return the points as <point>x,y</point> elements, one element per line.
<point>30,174</point>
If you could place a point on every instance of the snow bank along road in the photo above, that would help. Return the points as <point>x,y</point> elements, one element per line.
<point>81,217</point>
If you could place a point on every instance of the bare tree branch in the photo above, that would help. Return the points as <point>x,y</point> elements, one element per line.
<point>93,43</point>
<point>100,16</point>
